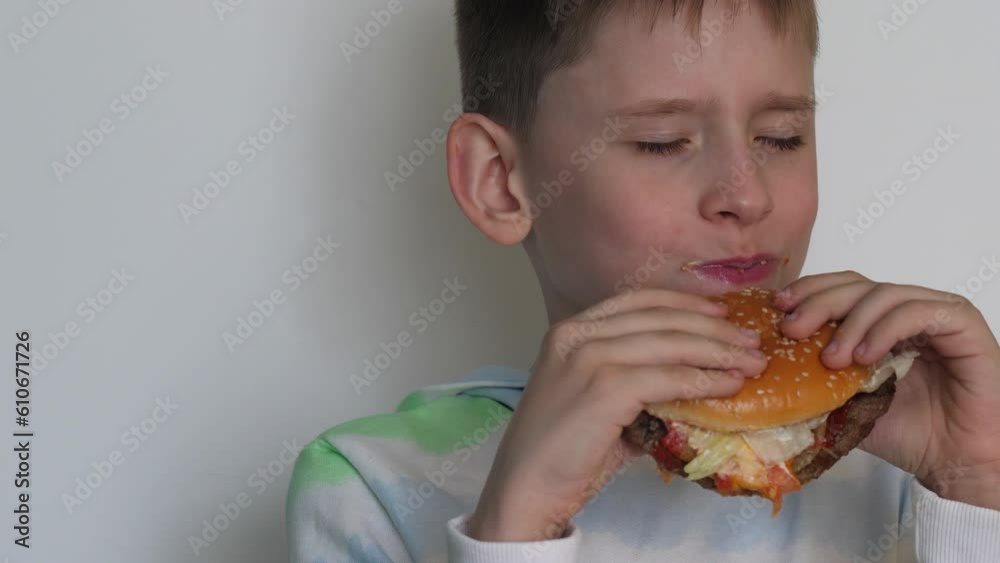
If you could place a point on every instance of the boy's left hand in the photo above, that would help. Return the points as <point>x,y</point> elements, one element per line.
<point>944,422</point>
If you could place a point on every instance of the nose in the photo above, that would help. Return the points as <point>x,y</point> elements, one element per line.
<point>739,193</point>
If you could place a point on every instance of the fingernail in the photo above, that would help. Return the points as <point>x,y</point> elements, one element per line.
<point>792,316</point>
<point>756,353</point>
<point>750,333</point>
<point>783,295</point>
<point>831,348</point>
<point>735,373</point>
<point>861,349</point>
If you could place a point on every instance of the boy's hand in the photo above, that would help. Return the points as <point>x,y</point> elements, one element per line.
<point>944,423</point>
<point>593,376</point>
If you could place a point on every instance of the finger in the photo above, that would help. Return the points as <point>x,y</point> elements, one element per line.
<point>667,318</point>
<point>833,303</point>
<point>645,298</point>
<point>669,347</point>
<point>793,294</point>
<point>875,304</point>
<point>621,391</point>
<point>945,324</point>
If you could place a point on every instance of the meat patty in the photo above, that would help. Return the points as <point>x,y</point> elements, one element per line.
<point>843,430</point>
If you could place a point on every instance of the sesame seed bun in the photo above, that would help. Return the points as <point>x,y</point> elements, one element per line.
<point>794,387</point>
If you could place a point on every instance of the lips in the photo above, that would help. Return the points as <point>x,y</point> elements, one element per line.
<point>739,270</point>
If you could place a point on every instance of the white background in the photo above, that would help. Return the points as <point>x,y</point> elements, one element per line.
<point>323,176</point>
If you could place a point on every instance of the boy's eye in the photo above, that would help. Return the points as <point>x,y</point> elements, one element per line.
<point>787,144</point>
<point>673,147</point>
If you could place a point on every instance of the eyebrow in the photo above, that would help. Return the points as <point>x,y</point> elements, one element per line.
<point>773,101</point>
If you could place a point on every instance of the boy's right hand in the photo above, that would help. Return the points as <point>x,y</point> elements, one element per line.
<point>592,378</point>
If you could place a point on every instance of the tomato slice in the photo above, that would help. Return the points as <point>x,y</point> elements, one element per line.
<point>780,481</point>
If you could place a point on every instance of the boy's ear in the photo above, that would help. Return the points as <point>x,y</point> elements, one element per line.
<point>486,176</point>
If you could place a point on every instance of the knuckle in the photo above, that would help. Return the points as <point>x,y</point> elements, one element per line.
<point>562,332</point>
<point>884,290</point>
<point>586,355</point>
<point>605,382</point>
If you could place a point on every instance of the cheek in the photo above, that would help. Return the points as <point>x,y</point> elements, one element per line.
<point>606,226</point>
<point>792,222</point>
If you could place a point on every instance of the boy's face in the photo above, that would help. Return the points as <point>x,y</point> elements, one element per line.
<point>722,178</point>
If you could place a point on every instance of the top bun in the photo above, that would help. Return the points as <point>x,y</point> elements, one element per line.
<point>795,386</point>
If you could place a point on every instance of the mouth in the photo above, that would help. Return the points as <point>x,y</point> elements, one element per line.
<point>739,270</point>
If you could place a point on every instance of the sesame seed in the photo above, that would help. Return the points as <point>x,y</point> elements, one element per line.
<point>807,349</point>
<point>830,385</point>
<point>798,379</point>
<point>760,391</point>
<point>798,393</point>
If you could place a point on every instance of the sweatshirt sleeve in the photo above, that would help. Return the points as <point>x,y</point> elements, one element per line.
<point>463,549</point>
<point>949,531</point>
<point>332,516</point>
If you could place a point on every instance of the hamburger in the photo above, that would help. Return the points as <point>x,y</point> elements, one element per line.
<point>785,427</point>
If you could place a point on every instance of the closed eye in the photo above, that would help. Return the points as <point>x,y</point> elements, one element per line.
<point>670,148</point>
<point>786,144</point>
<point>676,147</point>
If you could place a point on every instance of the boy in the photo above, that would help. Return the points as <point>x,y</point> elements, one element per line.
<point>608,152</point>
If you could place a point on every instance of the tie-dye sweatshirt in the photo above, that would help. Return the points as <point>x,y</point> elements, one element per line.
<point>399,488</point>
